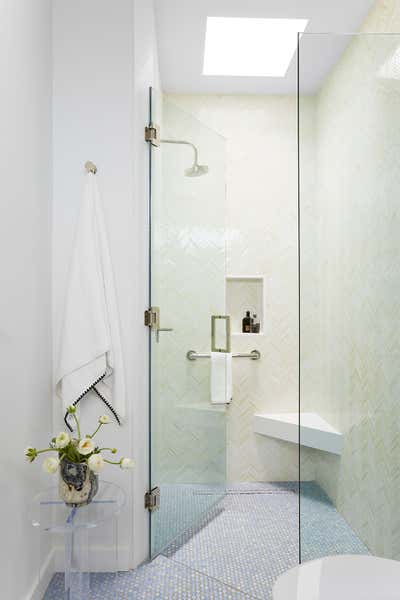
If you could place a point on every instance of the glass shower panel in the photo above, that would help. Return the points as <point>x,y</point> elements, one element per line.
<point>188,432</point>
<point>349,141</point>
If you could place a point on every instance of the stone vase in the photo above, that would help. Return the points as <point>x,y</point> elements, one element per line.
<point>78,485</point>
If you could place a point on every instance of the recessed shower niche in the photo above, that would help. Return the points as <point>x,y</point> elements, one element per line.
<point>245,294</point>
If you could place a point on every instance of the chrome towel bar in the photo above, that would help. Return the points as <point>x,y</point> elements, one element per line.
<point>253,355</point>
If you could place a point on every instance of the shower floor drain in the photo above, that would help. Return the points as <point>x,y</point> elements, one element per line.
<point>242,492</point>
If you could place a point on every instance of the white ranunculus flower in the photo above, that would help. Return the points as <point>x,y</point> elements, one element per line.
<point>96,463</point>
<point>51,464</point>
<point>104,419</point>
<point>127,463</point>
<point>62,440</point>
<point>86,446</point>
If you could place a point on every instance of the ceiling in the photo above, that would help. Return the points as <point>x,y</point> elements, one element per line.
<point>181,26</point>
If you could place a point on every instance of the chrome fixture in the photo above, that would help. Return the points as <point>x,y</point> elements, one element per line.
<point>152,499</point>
<point>227,320</point>
<point>152,320</point>
<point>254,355</point>
<point>195,170</point>
<point>152,134</point>
<point>90,167</point>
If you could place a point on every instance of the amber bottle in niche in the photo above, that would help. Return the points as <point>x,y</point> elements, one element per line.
<point>247,323</point>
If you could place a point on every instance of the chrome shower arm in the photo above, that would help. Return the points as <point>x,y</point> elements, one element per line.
<point>185,143</point>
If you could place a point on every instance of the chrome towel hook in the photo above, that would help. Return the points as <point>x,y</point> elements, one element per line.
<point>90,167</point>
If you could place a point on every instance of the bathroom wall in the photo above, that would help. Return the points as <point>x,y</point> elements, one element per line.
<point>355,339</point>
<point>25,280</point>
<point>104,63</point>
<point>261,222</point>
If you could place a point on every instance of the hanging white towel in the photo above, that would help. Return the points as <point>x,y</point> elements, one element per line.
<point>221,378</point>
<point>91,352</point>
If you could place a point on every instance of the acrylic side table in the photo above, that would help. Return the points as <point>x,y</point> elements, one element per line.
<point>67,531</point>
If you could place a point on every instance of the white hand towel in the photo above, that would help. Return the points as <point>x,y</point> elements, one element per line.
<point>91,352</point>
<point>221,378</point>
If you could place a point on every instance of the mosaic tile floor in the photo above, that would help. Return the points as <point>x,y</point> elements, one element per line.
<point>237,550</point>
<point>324,531</point>
<point>182,504</point>
<point>248,544</point>
<point>162,579</point>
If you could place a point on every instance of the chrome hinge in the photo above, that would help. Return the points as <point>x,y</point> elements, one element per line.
<point>152,134</point>
<point>152,317</point>
<point>152,499</point>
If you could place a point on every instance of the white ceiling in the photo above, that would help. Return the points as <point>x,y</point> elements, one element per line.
<point>181,26</point>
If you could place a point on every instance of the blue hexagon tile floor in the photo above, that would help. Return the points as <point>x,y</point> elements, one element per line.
<point>237,550</point>
<point>162,579</point>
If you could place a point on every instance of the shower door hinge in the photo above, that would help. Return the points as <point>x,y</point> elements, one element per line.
<point>152,499</point>
<point>152,134</point>
<point>152,320</point>
<point>152,317</point>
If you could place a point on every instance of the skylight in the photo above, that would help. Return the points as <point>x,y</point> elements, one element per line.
<point>250,47</point>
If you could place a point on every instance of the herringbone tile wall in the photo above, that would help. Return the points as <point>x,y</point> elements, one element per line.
<point>261,236</point>
<point>351,349</point>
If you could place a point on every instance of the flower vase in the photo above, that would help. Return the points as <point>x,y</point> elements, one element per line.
<point>78,484</point>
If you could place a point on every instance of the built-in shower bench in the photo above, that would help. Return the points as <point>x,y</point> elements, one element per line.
<point>315,432</point>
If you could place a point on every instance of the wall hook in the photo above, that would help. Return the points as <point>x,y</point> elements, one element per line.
<point>90,167</point>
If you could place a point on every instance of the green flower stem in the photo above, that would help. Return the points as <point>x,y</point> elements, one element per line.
<point>47,450</point>
<point>93,434</point>
<point>110,449</point>
<point>78,427</point>
<point>110,462</point>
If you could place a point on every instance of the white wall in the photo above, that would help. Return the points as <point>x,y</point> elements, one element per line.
<point>25,272</point>
<point>104,62</point>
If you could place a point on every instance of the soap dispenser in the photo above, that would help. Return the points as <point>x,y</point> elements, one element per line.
<point>246,323</point>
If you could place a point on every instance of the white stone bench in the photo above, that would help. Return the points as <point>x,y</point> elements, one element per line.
<point>315,432</point>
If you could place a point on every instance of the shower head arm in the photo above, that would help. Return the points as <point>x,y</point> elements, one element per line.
<point>185,143</point>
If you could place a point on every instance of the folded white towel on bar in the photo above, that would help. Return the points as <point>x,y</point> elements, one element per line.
<point>221,378</point>
<point>91,352</point>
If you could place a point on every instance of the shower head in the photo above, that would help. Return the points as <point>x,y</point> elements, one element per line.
<point>195,170</point>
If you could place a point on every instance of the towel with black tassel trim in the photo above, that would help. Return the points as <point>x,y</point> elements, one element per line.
<point>91,353</point>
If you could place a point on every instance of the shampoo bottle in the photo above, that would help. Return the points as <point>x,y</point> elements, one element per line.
<point>246,323</point>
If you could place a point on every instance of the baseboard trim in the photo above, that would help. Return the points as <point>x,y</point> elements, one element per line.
<point>100,556</point>
<point>43,579</point>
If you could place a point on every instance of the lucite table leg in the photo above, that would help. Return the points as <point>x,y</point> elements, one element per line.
<point>80,565</point>
<point>77,575</point>
<point>69,544</point>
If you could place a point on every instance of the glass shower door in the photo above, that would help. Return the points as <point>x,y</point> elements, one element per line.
<point>187,213</point>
